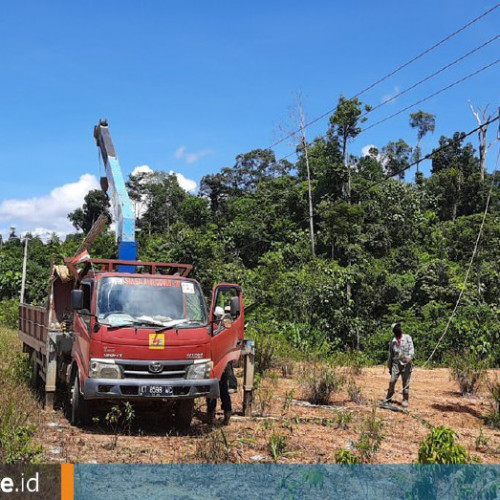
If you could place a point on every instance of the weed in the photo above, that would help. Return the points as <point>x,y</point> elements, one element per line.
<point>214,448</point>
<point>439,447</point>
<point>264,353</point>
<point>343,420</point>
<point>19,411</point>
<point>16,438</point>
<point>345,457</point>
<point>481,441</point>
<point>287,402</point>
<point>264,392</point>
<point>493,417</point>
<point>468,370</point>
<point>286,370</point>
<point>370,438</point>
<point>277,445</point>
<point>120,419</point>
<point>354,393</point>
<point>320,382</point>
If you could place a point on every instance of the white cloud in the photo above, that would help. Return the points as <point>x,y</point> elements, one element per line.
<point>185,183</point>
<point>182,154</point>
<point>390,97</point>
<point>142,169</point>
<point>48,213</point>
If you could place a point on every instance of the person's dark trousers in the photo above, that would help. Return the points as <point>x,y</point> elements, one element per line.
<point>225,398</point>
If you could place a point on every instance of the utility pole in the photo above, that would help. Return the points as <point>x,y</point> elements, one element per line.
<point>306,155</point>
<point>25,260</point>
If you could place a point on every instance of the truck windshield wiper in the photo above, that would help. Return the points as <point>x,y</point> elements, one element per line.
<point>145,322</point>
<point>172,324</point>
<point>122,325</point>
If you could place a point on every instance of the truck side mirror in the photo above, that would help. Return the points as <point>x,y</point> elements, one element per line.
<point>77,299</point>
<point>235,307</point>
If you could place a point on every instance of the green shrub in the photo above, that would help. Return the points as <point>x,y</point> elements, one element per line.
<point>493,417</point>
<point>468,370</point>
<point>354,361</point>
<point>16,444</point>
<point>345,457</point>
<point>9,312</point>
<point>439,447</point>
<point>370,438</point>
<point>343,419</point>
<point>319,382</point>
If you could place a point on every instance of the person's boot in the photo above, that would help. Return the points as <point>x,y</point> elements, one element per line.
<point>405,402</point>
<point>227,417</point>
<point>388,398</point>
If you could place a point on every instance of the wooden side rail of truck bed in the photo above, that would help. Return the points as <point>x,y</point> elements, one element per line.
<point>33,326</point>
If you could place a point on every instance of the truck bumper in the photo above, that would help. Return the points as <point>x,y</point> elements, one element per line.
<point>95,388</point>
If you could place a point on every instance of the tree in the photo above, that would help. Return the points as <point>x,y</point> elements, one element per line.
<point>344,123</point>
<point>396,157</point>
<point>424,123</point>
<point>96,202</point>
<point>159,197</point>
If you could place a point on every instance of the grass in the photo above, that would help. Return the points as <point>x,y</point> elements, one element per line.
<point>468,370</point>
<point>19,410</point>
<point>319,382</point>
<point>214,448</point>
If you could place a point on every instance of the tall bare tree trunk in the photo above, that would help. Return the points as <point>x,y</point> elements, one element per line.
<point>309,189</point>
<point>482,118</point>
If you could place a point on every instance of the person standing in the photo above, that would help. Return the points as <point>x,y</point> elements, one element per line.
<point>225,382</point>
<point>400,362</point>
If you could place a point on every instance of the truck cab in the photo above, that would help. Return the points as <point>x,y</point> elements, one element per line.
<point>145,337</point>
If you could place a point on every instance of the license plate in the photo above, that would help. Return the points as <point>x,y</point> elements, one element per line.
<point>156,390</point>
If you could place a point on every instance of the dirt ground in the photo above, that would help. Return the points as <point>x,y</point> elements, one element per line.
<point>312,433</point>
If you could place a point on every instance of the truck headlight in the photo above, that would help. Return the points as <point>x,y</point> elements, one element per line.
<point>199,370</point>
<point>104,369</point>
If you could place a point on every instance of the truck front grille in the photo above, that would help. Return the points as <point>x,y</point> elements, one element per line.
<point>148,370</point>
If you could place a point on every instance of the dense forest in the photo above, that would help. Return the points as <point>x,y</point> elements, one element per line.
<point>330,249</point>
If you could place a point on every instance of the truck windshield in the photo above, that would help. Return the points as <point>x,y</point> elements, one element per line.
<point>152,302</point>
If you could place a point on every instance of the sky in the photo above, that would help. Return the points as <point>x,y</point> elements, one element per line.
<point>187,86</point>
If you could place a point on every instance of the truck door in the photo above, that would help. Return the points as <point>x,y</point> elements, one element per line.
<point>227,323</point>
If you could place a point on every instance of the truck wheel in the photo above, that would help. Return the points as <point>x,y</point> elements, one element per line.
<point>184,410</point>
<point>80,412</point>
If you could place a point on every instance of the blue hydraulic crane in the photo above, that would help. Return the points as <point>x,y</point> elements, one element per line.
<point>114,183</point>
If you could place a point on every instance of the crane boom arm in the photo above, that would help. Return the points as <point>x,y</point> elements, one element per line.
<point>122,206</point>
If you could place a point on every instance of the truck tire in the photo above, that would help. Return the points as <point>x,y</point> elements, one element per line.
<point>183,413</point>
<point>79,408</point>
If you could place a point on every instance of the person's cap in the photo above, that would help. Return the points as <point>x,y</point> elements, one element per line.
<point>395,326</point>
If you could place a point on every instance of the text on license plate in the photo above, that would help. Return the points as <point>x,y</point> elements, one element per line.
<point>155,390</point>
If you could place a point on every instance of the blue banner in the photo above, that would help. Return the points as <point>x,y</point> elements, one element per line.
<point>270,481</point>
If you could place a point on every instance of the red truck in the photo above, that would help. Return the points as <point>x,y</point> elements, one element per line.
<point>146,337</point>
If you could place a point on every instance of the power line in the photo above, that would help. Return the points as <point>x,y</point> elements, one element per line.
<point>392,73</point>
<point>429,77</point>
<point>434,94</point>
<point>440,91</point>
